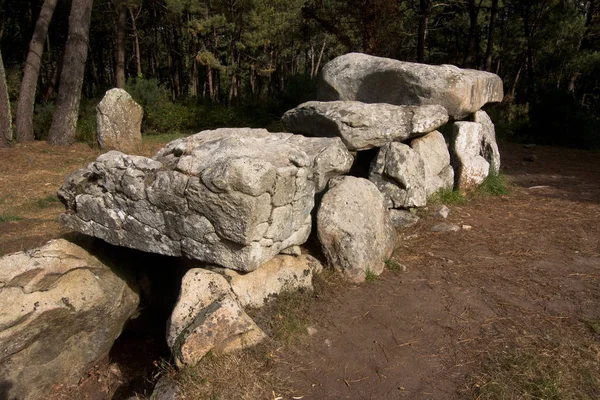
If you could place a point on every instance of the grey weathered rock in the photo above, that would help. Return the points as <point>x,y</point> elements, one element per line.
<point>403,218</point>
<point>166,389</point>
<point>470,167</point>
<point>370,79</point>
<point>442,212</point>
<point>445,227</point>
<point>231,197</point>
<point>119,121</point>
<point>282,273</point>
<point>434,152</point>
<point>399,173</point>
<point>206,318</point>
<point>354,228</point>
<point>489,146</point>
<point>61,309</point>
<point>364,126</point>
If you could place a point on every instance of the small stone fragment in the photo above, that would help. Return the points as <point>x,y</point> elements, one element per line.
<point>403,218</point>
<point>445,227</point>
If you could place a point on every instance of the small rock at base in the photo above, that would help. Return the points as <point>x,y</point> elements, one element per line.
<point>403,218</point>
<point>442,212</point>
<point>445,227</point>
<point>292,251</point>
<point>166,389</point>
<point>467,227</point>
<point>311,331</point>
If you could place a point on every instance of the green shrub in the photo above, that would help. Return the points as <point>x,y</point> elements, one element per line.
<point>446,196</point>
<point>495,184</point>
<point>42,120</point>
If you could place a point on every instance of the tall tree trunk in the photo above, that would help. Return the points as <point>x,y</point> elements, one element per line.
<point>471,41</point>
<point>64,123</point>
<point>5,116</point>
<point>121,28</point>
<point>424,11</point>
<point>24,121</point>
<point>490,42</point>
<point>136,44</point>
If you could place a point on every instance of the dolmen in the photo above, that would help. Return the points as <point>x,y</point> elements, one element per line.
<point>242,203</point>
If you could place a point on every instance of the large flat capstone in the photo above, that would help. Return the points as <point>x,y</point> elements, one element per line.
<point>363,126</point>
<point>370,79</point>
<point>230,197</point>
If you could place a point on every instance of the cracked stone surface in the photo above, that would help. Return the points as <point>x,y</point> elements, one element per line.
<point>434,152</point>
<point>371,79</point>
<point>470,167</point>
<point>354,228</point>
<point>399,173</point>
<point>489,146</point>
<point>229,197</point>
<point>282,273</point>
<point>61,310</point>
<point>119,121</point>
<point>363,126</point>
<point>207,317</point>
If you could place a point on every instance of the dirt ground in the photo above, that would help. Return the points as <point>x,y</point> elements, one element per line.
<point>508,309</point>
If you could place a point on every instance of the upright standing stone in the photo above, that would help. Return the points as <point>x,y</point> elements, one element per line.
<point>434,152</point>
<point>489,146</point>
<point>399,173</point>
<point>471,168</point>
<point>370,79</point>
<point>354,228</point>
<point>119,121</point>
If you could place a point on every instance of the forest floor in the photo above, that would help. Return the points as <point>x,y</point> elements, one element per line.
<point>508,309</point>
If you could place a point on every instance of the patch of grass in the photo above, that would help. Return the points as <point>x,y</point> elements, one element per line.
<point>47,201</point>
<point>290,315</point>
<point>9,218</point>
<point>394,265</point>
<point>243,375</point>
<point>494,185</point>
<point>370,276</point>
<point>594,325</point>
<point>447,196</point>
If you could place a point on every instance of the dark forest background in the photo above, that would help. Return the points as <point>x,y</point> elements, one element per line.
<point>195,64</point>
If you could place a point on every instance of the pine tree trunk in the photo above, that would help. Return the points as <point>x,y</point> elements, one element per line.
<point>490,43</point>
<point>136,43</point>
<point>24,120</point>
<point>64,122</point>
<point>121,27</point>
<point>5,116</point>
<point>471,41</point>
<point>424,10</point>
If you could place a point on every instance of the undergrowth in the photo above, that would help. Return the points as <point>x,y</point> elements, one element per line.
<point>9,218</point>
<point>447,196</point>
<point>495,184</point>
<point>47,201</point>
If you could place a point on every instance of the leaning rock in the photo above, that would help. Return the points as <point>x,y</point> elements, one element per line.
<point>354,228</point>
<point>364,126</point>
<point>471,168</point>
<point>489,146</point>
<point>370,79</point>
<point>434,152</point>
<point>283,273</point>
<point>230,197</point>
<point>119,121</point>
<point>399,173</point>
<point>207,318</point>
<point>61,309</point>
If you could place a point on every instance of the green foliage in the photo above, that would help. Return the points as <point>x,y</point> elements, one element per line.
<point>47,201</point>
<point>447,196</point>
<point>370,276</point>
<point>291,309</point>
<point>42,120</point>
<point>394,265</point>
<point>495,184</point>
<point>9,218</point>
<point>594,325</point>
<point>86,124</point>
